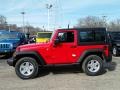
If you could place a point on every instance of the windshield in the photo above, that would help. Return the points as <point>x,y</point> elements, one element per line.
<point>8,36</point>
<point>44,35</point>
<point>116,35</point>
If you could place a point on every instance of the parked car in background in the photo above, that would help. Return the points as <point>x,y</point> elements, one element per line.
<point>43,37</point>
<point>9,40</point>
<point>32,39</point>
<point>114,37</point>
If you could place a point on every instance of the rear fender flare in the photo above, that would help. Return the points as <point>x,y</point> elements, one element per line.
<point>86,53</point>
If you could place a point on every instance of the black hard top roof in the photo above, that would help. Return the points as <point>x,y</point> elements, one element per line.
<point>83,29</point>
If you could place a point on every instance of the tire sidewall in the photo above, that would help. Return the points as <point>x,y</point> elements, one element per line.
<point>85,63</point>
<point>26,59</point>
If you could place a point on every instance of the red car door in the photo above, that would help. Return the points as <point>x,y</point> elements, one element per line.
<point>64,52</point>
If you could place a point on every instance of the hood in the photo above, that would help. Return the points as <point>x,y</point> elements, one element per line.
<point>9,40</point>
<point>33,46</point>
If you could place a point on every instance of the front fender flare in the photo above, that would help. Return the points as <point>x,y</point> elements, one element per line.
<point>33,54</point>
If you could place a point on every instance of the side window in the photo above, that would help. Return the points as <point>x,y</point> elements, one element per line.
<point>66,37</point>
<point>86,36</point>
<point>99,36</point>
<point>92,37</point>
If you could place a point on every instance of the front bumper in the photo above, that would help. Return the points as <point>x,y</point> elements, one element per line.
<point>4,52</point>
<point>10,61</point>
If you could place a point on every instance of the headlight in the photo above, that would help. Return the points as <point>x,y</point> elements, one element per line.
<point>118,44</point>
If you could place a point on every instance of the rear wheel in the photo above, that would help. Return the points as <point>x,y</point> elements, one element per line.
<point>93,65</point>
<point>26,68</point>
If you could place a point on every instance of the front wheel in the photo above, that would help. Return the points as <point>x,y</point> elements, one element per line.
<point>26,68</point>
<point>93,65</point>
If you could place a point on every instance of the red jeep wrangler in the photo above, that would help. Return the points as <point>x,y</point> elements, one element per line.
<point>87,47</point>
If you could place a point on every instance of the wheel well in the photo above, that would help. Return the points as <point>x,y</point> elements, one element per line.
<point>38,60</point>
<point>100,54</point>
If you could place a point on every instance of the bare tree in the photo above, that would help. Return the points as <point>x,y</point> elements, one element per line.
<point>91,21</point>
<point>3,22</point>
<point>2,19</point>
<point>114,25</point>
<point>32,30</point>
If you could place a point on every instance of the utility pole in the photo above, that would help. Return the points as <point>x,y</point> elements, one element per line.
<point>23,13</point>
<point>48,6</point>
<point>43,28</point>
<point>104,20</point>
<point>69,25</point>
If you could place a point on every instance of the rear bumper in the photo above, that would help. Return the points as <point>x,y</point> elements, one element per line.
<point>109,58</point>
<point>10,61</point>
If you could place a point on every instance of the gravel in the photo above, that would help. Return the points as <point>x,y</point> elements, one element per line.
<point>61,78</point>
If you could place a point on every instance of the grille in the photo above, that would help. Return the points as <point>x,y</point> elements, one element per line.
<point>5,46</point>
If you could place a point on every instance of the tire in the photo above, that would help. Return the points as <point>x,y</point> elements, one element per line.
<point>26,68</point>
<point>93,65</point>
<point>114,51</point>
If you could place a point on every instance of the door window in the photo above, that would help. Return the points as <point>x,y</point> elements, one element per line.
<point>66,37</point>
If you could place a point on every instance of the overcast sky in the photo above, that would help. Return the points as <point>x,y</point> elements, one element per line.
<point>62,12</point>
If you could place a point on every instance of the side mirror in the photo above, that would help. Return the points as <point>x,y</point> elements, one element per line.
<point>56,41</point>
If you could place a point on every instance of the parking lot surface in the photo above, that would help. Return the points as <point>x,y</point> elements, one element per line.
<point>67,78</point>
